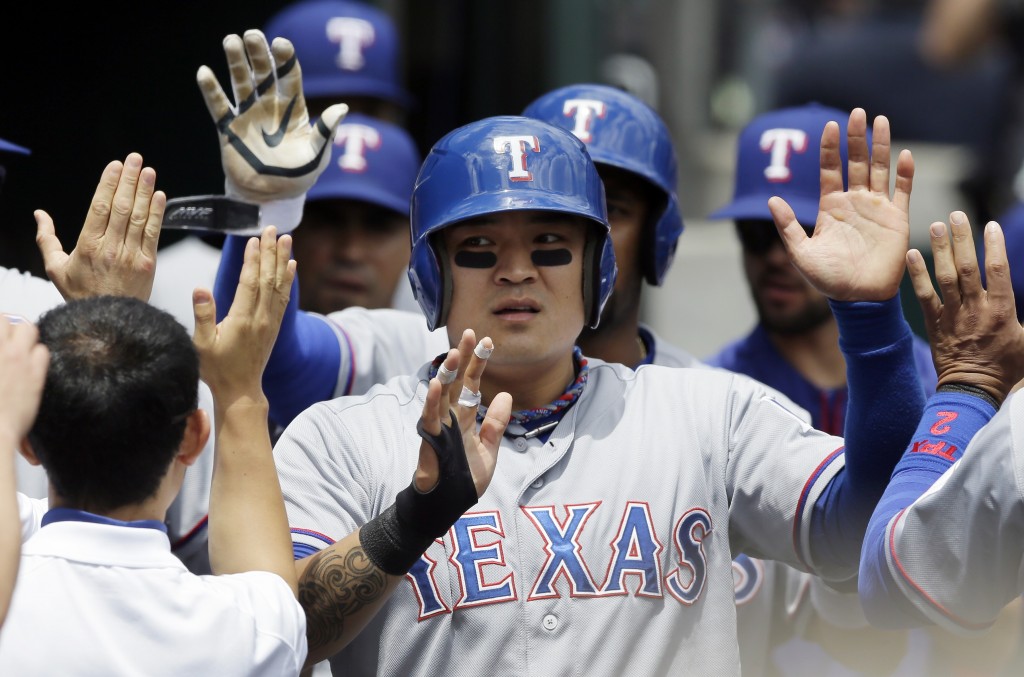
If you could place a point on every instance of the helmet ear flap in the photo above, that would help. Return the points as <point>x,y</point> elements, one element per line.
<point>661,239</point>
<point>441,256</point>
<point>599,273</point>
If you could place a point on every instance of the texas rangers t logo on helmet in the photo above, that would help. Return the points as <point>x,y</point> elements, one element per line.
<point>355,140</point>
<point>516,147</point>
<point>352,36</point>
<point>583,112</point>
<point>780,143</point>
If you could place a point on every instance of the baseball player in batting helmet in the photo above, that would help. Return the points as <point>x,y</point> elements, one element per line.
<point>633,151</point>
<point>453,185</point>
<point>598,513</point>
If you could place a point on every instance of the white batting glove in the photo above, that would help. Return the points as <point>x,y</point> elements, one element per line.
<point>270,152</point>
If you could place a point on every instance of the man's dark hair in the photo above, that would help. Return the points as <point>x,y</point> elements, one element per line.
<point>123,378</point>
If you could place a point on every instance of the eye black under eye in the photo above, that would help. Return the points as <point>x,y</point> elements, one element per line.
<point>551,257</point>
<point>471,259</point>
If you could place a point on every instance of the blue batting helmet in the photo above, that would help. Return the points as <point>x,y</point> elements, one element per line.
<point>498,164</point>
<point>622,131</point>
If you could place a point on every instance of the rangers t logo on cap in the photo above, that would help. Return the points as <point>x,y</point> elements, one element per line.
<point>780,142</point>
<point>353,141</point>
<point>352,35</point>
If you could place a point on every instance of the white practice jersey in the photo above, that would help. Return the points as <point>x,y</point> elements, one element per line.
<point>181,267</point>
<point>99,599</point>
<point>606,550</point>
<point>30,514</point>
<point>26,295</point>
<point>957,552</point>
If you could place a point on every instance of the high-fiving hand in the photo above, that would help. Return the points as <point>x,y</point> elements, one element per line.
<point>116,250</point>
<point>973,330</point>
<point>860,240</point>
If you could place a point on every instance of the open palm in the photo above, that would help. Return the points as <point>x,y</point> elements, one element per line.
<point>860,240</point>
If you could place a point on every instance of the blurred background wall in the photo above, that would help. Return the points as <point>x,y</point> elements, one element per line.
<point>81,93</point>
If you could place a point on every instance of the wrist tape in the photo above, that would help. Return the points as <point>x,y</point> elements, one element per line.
<point>970,390</point>
<point>395,539</point>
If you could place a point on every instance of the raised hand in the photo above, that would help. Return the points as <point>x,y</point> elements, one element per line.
<point>460,397</point>
<point>234,352</point>
<point>269,149</point>
<point>116,250</point>
<point>860,240</point>
<point>975,337</point>
<point>23,365</point>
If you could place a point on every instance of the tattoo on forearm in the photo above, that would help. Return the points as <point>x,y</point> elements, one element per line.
<point>332,588</point>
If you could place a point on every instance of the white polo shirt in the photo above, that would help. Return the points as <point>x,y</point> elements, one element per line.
<point>110,599</point>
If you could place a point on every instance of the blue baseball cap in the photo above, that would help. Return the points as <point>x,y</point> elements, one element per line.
<point>779,154</point>
<point>372,161</point>
<point>8,147</point>
<point>345,49</point>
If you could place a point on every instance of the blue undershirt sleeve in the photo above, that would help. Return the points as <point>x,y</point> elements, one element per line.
<point>304,364</point>
<point>885,403</point>
<point>949,422</point>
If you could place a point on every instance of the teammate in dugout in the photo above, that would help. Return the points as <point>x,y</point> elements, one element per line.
<point>116,430</point>
<point>794,347</point>
<point>480,241</point>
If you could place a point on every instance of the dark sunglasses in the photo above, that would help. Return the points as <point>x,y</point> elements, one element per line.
<point>758,236</point>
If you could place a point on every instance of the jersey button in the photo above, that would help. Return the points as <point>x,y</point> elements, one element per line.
<point>520,444</point>
<point>537,483</point>
<point>550,622</point>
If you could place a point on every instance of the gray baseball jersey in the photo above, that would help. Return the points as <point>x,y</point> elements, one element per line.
<point>957,552</point>
<point>774,602</point>
<point>606,549</point>
<point>382,343</point>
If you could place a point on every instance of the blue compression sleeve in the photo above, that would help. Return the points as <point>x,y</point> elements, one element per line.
<point>304,364</point>
<point>232,255</point>
<point>950,421</point>
<point>885,403</point>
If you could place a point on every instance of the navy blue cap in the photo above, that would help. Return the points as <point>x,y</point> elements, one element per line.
<point>372,161</point>
<point>345,48</point>
<point>779,154</point>
<point>8,147</point>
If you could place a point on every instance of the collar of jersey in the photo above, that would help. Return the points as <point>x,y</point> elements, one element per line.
<point>535,418</point>
<point>73,515</point>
